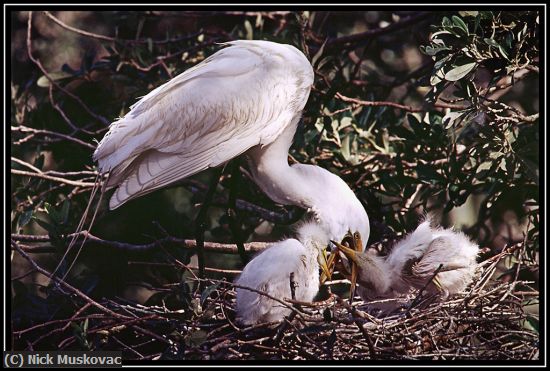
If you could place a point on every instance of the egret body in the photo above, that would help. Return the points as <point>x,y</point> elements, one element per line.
<point>245,99</point>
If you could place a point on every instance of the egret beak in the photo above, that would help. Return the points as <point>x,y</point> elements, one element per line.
<point>358,246</point>
<point>351,254</point>
<point>327,266</point>
<point>437,284</point>
<point>358,242</point>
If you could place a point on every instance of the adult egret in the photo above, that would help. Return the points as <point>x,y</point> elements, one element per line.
<point>269,272</point>
<point>244,99</point>
<point>440,261</point>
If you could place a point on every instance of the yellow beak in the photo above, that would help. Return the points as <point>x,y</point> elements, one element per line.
<point>327,265</point>
<point>351,254</point>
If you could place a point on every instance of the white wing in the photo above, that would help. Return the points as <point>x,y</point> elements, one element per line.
<point>240,97</point>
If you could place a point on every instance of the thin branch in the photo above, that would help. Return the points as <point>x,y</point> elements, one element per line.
<point>91,239</point>
<point>52,178</point>
<point>114,39</point>
<point>37,62</point>
<point>345,41</point>
<point>25,129</point>
<point>395,105</point>
<point>61,282</point>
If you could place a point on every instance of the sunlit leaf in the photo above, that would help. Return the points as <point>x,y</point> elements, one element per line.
<point>44,82</point>
<point>459,72</point>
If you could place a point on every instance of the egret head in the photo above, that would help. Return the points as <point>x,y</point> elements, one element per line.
<point>365,268</point>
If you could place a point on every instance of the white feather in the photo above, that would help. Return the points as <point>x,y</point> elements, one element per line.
<point>270,271</point>
<point>414,261</point>
<point>241,96</point>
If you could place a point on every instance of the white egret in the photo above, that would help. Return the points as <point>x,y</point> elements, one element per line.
<point>270,271</point>
<point>440,261</point>
<point>244,99</point>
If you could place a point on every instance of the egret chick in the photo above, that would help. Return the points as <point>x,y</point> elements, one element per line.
<point>441,261</point>
<point>270,271</point>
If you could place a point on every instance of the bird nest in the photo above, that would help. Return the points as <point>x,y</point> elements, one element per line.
<point>486,321</point>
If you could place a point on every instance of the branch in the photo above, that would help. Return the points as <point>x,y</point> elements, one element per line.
<point>59,281</point>
<point>52,172</point>
<point>395,105</point>
<point>342,42</point>
<point>37,62</point>
<point>91,239</point>
<point>25,129</point>
<point>53,178</point>
<point>114,39</point>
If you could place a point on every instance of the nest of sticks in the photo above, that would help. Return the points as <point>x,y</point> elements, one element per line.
<point>487,321</point>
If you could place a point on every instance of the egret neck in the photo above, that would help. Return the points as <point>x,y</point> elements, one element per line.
<point>324,194</point>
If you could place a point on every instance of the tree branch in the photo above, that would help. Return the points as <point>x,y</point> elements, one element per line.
<point>75,183</point>
<point>344,41</point>
<point>395,105</point>
<point>61,282</point>
<point>91,239</point>
<point>25,129</point>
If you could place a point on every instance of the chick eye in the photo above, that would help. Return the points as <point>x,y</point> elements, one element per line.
<point>356,235</point>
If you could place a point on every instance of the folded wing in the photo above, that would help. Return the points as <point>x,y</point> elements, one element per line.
<point>242,96</point>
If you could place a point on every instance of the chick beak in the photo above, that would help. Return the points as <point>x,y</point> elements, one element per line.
<point>351,254</point>
<point>437,283</point>
<point>327,266</point>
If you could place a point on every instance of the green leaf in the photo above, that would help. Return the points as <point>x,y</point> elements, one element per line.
<point>442,62</point>
<point>437,77</point>
<point>486,14</point>
<point>451,117</point>
<point>491,42</point>
<point>531,324</point>
<point>433,50</point>
<point>44,82</point>
<point>459,72</point>
<point>318,54</point>
<point>457,21</point>
<point>249,30</point>
<point>346,147</point>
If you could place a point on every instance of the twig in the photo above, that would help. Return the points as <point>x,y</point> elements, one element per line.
<point>53,178</point>
<point>91,239</point>
<point>349,41</point>
<point>103,120</point>
<point>421,291</point>
<point>395,105</point>
<point>24,129</point>
<point>114,39</point>
<point>61,282</point>
<point>353,312</point>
